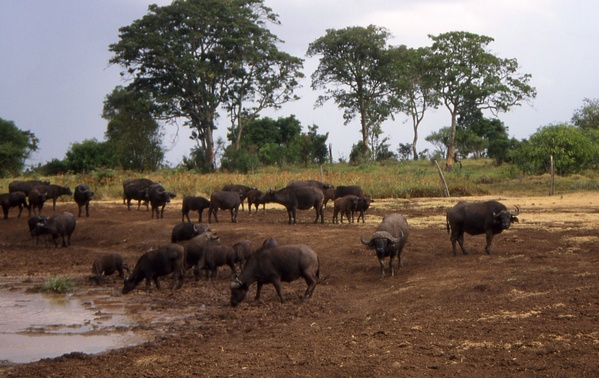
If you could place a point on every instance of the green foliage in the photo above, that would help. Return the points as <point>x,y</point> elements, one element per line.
<point>571,149</point>
<point>193,57</point>
<point>471,77</point>
<point>59,285</point>
<point>132,133</point>
<point>15,147</point>
<point>587,117</point>
<point>89,155</point>
<point>356,62</point>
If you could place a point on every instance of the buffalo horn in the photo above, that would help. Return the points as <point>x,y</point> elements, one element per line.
<point>517,211</point>
<point>362,239</point>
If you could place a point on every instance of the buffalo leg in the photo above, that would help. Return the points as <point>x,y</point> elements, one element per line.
<point>87,209</point>
<point>258,290</point>
<point>382,264</point>
<point>277,284</point>
<point>391,266</point>
<point>489,241</point>
<point>311,281</point>
<point>157,282</point>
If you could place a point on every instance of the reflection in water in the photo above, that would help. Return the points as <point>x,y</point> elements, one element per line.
<point>36,326</point>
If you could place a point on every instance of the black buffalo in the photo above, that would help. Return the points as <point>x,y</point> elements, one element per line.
<point>191,203</point>
<point>156,263</point>
<point>195,249</point>
<point>54,191</point>
<point>224,200</point>
<point>489,218</point>
<point>342,191</point>
<point>159,197</point>
<point>13,199</point>
<point>82,197</point>
<point>274,265</point>
<point>302,198</point>
<point>389,239</point>
<point>242,190</point>
<point>136,189</point>
<point>59,224</point>
<point>25,186</point>
<point>108,264</point>
<point>313,183</point>
<point>36,201</point>
<point>187,231</point>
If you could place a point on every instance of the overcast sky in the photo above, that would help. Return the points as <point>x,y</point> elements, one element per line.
<point>54,72</point>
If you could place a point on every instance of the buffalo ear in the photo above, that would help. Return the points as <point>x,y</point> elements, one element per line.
<point>235,285</point>
<point>514,219</point>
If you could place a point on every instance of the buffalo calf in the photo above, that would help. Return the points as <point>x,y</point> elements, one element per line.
<point>157,263</point>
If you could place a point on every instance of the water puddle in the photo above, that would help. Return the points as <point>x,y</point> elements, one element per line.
<point>36,326</point>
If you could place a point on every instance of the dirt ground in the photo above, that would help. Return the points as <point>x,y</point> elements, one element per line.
<point>531,308</point>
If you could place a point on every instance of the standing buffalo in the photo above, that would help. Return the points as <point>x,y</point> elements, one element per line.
<point>32,222</point>
<point>194,251</point>
<point>243,252</point>
<point>193,203</point>
<point>36,201</point>
<point>345,205</point>
<point>490,218</point>
<point>82,197</point>
<point>13,199</point>
<point>59,224</point>
<point>159,197</point>
<point>54,191</point>
<point>242,190</point>
<point>136,189</point>
<point>389,239</point>
<point>107,264</point>
<point>256,198</point>
<point>25,186</point>
<point>274,265</point>
<point>224,200</point>
<point>157,263</point>
<point>302,197</point>
<point>187,231</point>
<point>355,190</point>
<point>313,183</point>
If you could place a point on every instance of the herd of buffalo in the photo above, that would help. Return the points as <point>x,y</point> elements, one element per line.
<point>197,246</point>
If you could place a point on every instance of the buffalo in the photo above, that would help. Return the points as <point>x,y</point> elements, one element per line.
<point>224,200</point>
<point>82,197</point>
<point>216,256</point>
<point>242,190</point>
<point>362,205</point>
<point>316,184</point>
<point>32,222</point>
<point>195,249</point>
<point>345,205</point>
<point>107,264</point>
<point>136,189</point>
<point>256,198</point>
<point>389,239</point>
<point>54,191</point>
<point>191,203</point>
<point>36,201</point>
<point>25,186</point>
<point>342,191</point>
<point>475,218</point>
<point>13,199</point>
<point>159,197</point>
<point>243,251</point>
<point>59,224</point>
<point>156,263</point>
<point>302,197</point>
<point>274,265</point>
<point>187,231</point>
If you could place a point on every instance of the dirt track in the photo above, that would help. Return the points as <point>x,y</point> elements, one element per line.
<point>529,309</point>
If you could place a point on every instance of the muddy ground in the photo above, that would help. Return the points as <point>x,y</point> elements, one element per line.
<point>529,309</point>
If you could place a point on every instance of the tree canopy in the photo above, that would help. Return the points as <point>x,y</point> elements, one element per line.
<point>132,133</point>
<point>15,147</point>
<point>353,71</point>
<point>468,75</point>
<point>194,56</point>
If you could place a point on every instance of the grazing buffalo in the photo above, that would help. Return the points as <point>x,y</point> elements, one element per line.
<point>136,189</point>
<point>13,199</point>
<point>274,265</point>
<point>25,186</point>
<point>159,197</point>
<point>389,239</point>
<point>194,251</point>
<point>302,197</point>
<point>216,256</point>
<point>36,201</point>
<point>224,200</point>
<point>191,203</point>
<point>54,191</point>
<point>106,265</point>
<point>156,263</point>
<point>187,231</point>
<point>82,197</point>
<point>490,218</point>
<point>59,224</point>
<point>242,190</point>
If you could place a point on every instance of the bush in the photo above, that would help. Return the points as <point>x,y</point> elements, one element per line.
<point>58,285</point>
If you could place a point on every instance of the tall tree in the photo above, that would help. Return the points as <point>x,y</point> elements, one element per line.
<point>413,86</point>
<point>15,147</point>
<point>468,74</point>
<point>587,117</point>
<point>186,55</point>
<point>355,63</point>
<point>132,132</point>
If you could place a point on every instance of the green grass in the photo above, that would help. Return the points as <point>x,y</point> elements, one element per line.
<point>407,179</point>
<point>59,285</point>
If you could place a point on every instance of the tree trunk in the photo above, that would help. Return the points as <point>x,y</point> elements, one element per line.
<point>450,159</point>
<point>415,141</point>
